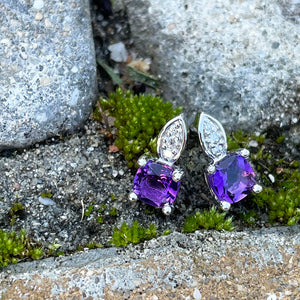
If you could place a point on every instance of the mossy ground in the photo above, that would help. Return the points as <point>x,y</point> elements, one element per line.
<point>15,246</point>
<point>138,120</point>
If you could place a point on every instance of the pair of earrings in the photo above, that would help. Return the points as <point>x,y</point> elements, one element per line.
<point>230,177</point>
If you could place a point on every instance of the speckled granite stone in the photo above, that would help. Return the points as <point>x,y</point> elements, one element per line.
<point>236,60</point>
<point>208,264</point>
<point>48,69</point>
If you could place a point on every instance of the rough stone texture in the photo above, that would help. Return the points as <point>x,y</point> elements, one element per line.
<point>260,264</point>
<point>48,70</point>
<point>237,60</point>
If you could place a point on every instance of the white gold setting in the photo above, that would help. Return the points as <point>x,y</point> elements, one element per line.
<point>177,175</point>
<point>133,197</point>
<point>171,140</point>
<point>257,188</point>
<point>214,143</point>
<point>245,153</point>
<point>167,209</point>
<point>225,206</point>
<point>142,161</point>
<point>212,137</point>
<point>211,169</point>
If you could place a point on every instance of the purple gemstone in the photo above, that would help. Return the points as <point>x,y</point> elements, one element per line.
<point>153,184</point>
<point>234,178</point>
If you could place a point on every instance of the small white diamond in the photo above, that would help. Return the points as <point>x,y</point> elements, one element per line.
<point>142,161</point>
<point>177,175</point>
<point>132,196</point>
<point>225,205</point>
<point>167,209</point>
<point>245,153</point>
<point>211,169</point>
<point>257,188</point>
<point>168,154</point>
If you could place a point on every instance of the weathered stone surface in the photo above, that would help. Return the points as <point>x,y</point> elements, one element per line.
<point>216,265</point>
<point>48,70</point>
<point>237,60</point>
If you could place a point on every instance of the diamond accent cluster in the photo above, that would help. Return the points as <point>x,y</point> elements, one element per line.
<point>172,140</point>
<point>212,137</point>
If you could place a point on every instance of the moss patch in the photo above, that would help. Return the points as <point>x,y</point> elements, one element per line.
<point>135,234</point>
<point>15,246</point>
<point>138,119</point>
<point>208,219</point>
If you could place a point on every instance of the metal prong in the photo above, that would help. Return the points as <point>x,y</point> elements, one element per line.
<point>177,175</point>
<point>245,153</point>
<point>211,169</point>
<point>133,197</point>
<point>142,161</point>
<point>167,209</point>
<point>257,188</point>
<point>225,205</point>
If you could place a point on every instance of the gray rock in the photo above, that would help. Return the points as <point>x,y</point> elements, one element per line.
<point>207,265</point>
<point>48,69</point>
<point>238,61</point>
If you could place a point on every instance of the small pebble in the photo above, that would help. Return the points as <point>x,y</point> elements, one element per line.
<point>38,4</point>
<point>272,178</point>
<point>272,297</point>
<point>118,52</point>
<point>197,295</point>
<point>38,16</point>
<point>46,201</point>
<point>253,144</point>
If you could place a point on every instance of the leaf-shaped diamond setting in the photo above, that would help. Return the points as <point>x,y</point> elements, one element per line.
<point>171,140</point>
<point>212,137</point>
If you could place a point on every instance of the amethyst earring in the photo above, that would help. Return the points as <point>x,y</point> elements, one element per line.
<point>230,177</point>
<point>157,182</point>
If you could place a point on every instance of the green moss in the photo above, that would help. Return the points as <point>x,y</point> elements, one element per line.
<point>249,217</point>
<point>102,208</point>
<point>15,246</point>
<point>241,139</point>
<point>46,195</point>
<point>138,119</point>
<point>16,208</point>
<point>167,232</point>
<point>113,212</point>
<point>52,249</point>
<point>135,234</point>
<point>208,219</point>
<point>99,220</point>
<point>89,210</point>
<point>15,212</point>
<point>282,201</point>
<point>280,139</point>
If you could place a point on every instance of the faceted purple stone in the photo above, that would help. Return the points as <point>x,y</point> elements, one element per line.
<point>153,184</point>
<point>234,178</point>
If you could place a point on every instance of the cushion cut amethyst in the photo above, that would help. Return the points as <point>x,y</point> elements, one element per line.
<point>233,179</point>
<point>153,184</point>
